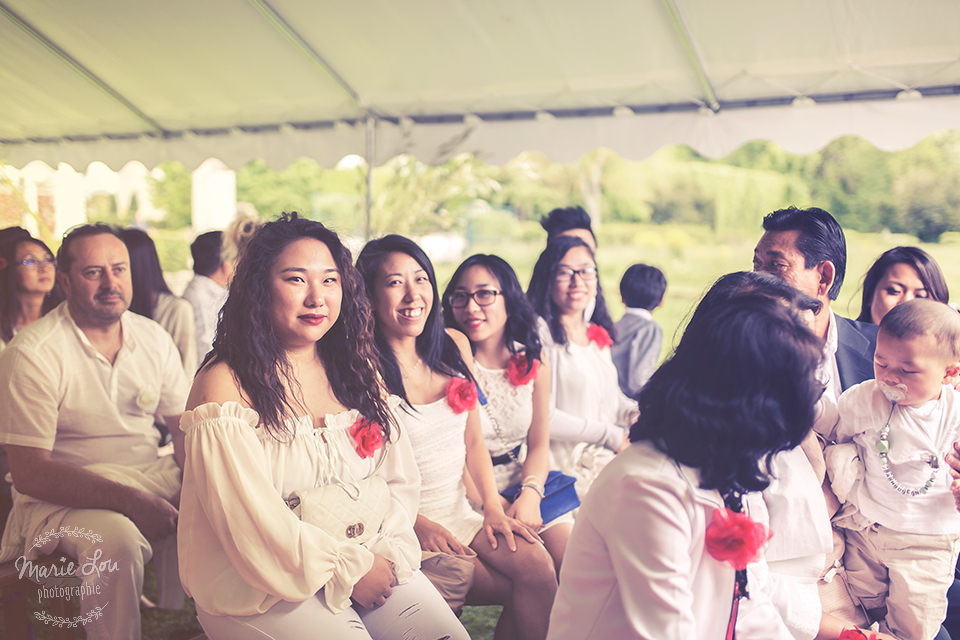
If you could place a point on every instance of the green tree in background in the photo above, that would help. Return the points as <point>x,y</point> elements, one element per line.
<point>172,193</point>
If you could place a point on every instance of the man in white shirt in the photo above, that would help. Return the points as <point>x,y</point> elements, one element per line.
<point>208,290</point>
<point>80,389</point>
<point>806,248</point>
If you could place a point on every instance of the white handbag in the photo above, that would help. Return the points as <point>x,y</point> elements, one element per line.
<point>349,513</point>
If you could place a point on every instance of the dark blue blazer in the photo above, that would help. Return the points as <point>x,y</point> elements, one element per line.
<point>856,342</point>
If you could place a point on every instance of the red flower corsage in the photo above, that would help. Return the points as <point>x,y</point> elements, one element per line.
<point>735,538</point>
<point>517,364</point>
<point>855,634</point>
<point>368,436</point>
<point>3,263</point>
<point>599,335</point>
<point>461,395</point>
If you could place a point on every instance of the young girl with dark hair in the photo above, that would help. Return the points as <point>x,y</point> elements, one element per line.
<point>485,301</point>
<point>650,555</point>
<point>427,365</point>
<point>588,410</point>
<point>286,402</point>
<point>153,299</point>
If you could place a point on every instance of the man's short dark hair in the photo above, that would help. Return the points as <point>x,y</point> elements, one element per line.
<point>642,287</point>
<point>206,253</point>
<point>64,258</point>
<point>821,238</point>
<point>561,220</point>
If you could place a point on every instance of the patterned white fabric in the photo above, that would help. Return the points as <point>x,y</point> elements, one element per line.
<point>512,408</point>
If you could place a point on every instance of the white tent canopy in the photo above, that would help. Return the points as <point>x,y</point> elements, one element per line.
<point>121,80</point>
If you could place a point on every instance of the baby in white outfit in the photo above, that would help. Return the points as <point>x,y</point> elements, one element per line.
<point>900,521</point>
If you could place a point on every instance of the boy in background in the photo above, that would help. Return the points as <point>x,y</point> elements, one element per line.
<point>639,337</point>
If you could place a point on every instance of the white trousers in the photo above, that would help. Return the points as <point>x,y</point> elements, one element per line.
<point>116,588</point>
<point>415,611</point>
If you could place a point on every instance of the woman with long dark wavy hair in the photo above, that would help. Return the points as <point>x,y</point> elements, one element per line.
<point>484,300</point>
<point>427,365</point>
<point>153,299</point>
<point>589,413</point>
<point>288,401</point>
<point>28,284</point>
<point>898,275</point>
<point>661,543</point>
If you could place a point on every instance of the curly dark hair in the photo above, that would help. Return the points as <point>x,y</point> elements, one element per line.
<point>541,283</point>
<point>437,349</point>
<point>521,327</point>
<point>740,387</point>
<point>9,301</point>
<point>247,341</point>
<point>925,266</point>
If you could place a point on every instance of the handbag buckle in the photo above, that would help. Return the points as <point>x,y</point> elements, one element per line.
<point>355,530</point>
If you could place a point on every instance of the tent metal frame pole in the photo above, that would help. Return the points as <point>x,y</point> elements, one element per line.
<point>300,43</point>
<point>79,68</point>
<point>693,54</point>
<point>371,157</point>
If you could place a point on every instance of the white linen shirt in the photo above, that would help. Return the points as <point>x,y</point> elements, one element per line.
<point>207,298</point>
<point>916,433</point>
<point>636,565</point>
<point>60,394</point>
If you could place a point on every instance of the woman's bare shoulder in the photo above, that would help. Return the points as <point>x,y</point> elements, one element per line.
<point>464,345</point>
<point>215,383</point>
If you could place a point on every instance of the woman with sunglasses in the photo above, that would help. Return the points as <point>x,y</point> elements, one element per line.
<point>588,410</point>
<point>485,301</point>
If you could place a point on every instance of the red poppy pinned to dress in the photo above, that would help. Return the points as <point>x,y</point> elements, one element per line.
<point>368,436</point>
<point>461,395</point>
<point>599,335</point>
<point>517,372</point>
<point>855,634</point>
<point>735,538</point>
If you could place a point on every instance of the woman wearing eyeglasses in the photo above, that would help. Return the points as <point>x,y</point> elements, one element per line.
<point>484,301</point>
<point>588,412</point>
<point>27,283</point>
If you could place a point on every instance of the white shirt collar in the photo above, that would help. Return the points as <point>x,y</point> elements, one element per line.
<point>636,311</point>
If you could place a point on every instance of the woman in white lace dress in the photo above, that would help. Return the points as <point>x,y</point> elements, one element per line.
<point>290,401</point>
<point>589,414</point>
<point>485,301</point>
<point>428,366</point>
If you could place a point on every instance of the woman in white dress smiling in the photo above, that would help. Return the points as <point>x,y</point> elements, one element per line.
<point>288,402</point>
<point>427,366</point>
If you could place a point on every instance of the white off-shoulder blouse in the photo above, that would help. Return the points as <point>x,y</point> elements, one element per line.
<point>242,549</point>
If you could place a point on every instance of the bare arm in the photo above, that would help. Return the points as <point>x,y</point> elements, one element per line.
<point>173,426</point>
<point>526,507</point>
<point>36,475</point>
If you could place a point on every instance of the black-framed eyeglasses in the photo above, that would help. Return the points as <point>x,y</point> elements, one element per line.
<point>587,274</point>
<point>34,262</point>
<point>483,298</point>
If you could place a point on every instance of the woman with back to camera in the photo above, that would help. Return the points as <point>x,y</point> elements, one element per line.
<point>153,299</point>
<point>898,275</point>
<point>484,301</point>
<point>288,401</point>
<point>589,413</point>
<point>647,555</point>
<point>28,284</point>
<point>427,365</point>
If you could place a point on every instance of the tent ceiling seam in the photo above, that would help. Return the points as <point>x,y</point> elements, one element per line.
<point>689,46</point>
<point>77,66</point>
<point>304,47</point>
